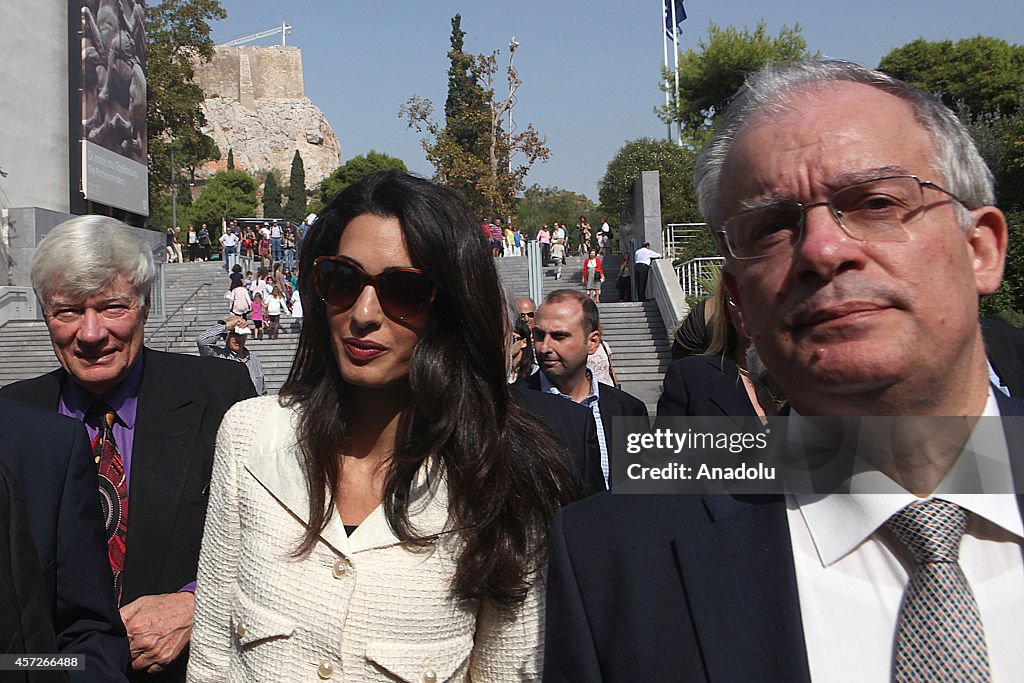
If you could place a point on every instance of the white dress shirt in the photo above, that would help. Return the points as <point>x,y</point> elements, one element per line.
<point>852,572</point>
<point>644,255</point>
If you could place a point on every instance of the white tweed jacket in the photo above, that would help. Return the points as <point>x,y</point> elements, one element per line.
<point>359,608</point>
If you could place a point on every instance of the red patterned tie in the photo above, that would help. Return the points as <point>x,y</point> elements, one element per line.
<point>113,490</point>
<point>939,636</point>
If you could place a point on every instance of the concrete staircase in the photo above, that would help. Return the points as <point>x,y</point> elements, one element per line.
<point>195,301</point>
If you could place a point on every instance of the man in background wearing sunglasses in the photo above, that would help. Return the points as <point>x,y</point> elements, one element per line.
<point>527,311</point>
<point>152,418</point>
<point>858,224</point>
<point>235,332</point>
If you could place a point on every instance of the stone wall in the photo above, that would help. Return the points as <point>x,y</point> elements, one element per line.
<point>255,106</point>
<point>252,72</point>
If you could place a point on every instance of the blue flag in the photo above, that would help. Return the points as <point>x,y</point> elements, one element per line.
<point>680,15</point>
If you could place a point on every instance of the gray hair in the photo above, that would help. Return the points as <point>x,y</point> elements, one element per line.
<point>770,90</point>
<point>82,257</point>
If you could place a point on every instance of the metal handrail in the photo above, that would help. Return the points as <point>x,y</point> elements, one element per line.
<point>692,273</point>
<point>181,332</point>
<point>676,235</point>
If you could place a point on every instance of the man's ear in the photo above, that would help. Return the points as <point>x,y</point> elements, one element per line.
<point>145,308</point>
<point>593,341</point>
<point>732,291</point>
<point>988,241</point>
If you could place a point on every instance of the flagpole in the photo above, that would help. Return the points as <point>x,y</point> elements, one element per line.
<point>675,53</point>
<point>664,46</point>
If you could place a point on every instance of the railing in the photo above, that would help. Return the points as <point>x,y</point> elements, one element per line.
<point>695,273</point>
<point>676,235</point>
<point>181,331</point>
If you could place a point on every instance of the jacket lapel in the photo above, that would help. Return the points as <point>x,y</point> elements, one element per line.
<point>277,468</point>
<point>737,570</point>
<point>167,427</point>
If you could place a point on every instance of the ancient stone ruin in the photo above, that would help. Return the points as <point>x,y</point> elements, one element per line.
<point>256,106</point>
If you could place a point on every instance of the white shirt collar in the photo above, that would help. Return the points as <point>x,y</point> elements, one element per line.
<point>838,523</point>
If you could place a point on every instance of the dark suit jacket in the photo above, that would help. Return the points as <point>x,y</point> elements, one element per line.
<point>680,588</point>
<point>575,426</point>
<point>1004,346</point>
<point>612,402</point>
<point>50,458</point>
<point>181,402</point>
<point>25,623</point>
<point>705,386</point>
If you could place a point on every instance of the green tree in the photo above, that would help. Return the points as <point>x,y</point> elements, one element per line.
<point>473,165</point>
<point>1000,140</point>
<point>227,194</point>
<point>231,160</point>
<point>546,205</point>
<point>678,199</point>
<point>177,32</point>
<point>984,75</point>
<point>295,209</point>
<point>711,74</point>
<point>354,169</point>
<point>272,197</point>
<point>466,103</point>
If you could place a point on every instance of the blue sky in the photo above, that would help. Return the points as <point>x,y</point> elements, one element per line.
<point>590,70</point>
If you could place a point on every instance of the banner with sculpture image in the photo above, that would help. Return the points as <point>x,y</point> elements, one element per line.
<point>113,137</point>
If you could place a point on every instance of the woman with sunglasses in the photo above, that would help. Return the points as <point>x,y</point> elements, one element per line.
<point>523,359</point>
<point>387,519</point>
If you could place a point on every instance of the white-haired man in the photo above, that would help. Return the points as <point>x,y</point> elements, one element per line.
<point>859,228</point>
<point>152,418</point>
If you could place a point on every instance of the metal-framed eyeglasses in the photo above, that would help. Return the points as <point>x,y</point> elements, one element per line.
<point>874,210</point>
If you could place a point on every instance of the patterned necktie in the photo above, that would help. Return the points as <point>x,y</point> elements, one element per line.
<point>939,636</point>
<point>113,489</point>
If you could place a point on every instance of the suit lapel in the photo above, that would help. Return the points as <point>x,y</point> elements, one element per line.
<point>166,430</point>
<point>737,570</point>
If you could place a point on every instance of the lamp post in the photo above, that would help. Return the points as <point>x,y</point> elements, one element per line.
<point>174,189</point>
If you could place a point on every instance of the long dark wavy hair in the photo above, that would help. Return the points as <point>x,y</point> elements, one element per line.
<point>506,474</point>
<point>528,357</point>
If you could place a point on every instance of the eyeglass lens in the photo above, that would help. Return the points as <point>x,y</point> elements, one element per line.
<point>402,293</point>
<point>876,210</point>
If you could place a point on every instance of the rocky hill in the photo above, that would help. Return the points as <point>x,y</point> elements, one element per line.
<point>256,107</point>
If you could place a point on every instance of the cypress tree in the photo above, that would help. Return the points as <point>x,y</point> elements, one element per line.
<point>272,197</point>
<point>295,209</point>
<point>231,160</point>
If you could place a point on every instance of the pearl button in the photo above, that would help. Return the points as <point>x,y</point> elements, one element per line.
<point>339,569</point>
<point>240,630</point>
<point>326,669</point>
<point>429,676</point>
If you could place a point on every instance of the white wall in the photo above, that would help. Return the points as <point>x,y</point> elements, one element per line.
<point>34,104</point>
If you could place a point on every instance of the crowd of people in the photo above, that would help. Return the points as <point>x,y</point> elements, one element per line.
<point>251,244</point>
<point>509,239</point>
<point>427,498</point>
